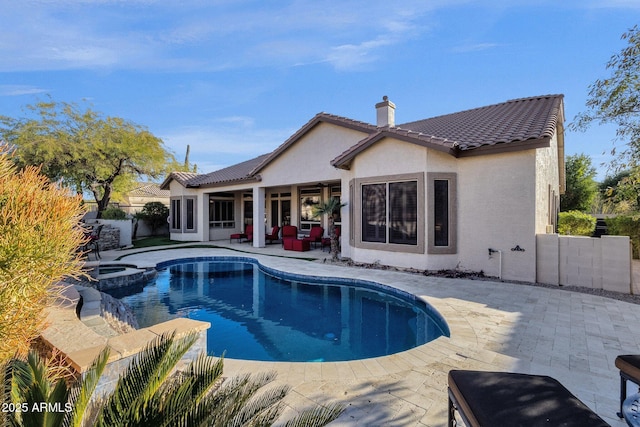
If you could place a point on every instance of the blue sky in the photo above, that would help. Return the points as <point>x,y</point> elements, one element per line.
<point>235,78</point>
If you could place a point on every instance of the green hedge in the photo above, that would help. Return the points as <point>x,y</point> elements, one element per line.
<point>576,223</point>
<point>625,225</point>
<point>114,213</point>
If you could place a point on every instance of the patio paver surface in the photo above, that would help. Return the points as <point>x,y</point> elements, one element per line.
<point>573,337</point>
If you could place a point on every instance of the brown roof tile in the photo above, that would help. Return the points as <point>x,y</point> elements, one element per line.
<point>519,120</point>
<point>236,173</point>
<point>149,190</point>
<point>512,121</point>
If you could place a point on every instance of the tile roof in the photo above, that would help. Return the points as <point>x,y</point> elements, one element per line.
<point>236,173</point>
<point>514,124</point>
<point>512,121</point>
<point>517,123</point>
<point>149,190</point>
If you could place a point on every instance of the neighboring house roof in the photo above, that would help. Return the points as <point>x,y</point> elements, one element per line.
<point>513,125</point>
<point>149,190</point>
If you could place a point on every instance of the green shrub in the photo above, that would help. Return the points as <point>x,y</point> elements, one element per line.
<point>576,223</point>
<point>155,214</point>
<point>625,225</point>
<point>114,213</point>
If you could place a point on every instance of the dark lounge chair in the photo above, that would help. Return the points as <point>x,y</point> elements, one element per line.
<point>509,399</point>
<point>629,365</point>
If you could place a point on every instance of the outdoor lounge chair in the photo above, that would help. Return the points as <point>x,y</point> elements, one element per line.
<point>629,365</point>
<point>509,399</point>
<point>315,236</point>
<point>273,236</point>
<point>289,232</point>
<point>239,236</point>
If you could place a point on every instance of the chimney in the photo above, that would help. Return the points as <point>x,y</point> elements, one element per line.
<point>386,112</point>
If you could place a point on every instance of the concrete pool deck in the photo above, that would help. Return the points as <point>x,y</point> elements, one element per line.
<point>571,336</point>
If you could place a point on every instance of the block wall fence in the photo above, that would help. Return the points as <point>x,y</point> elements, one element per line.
<point>597,263</point>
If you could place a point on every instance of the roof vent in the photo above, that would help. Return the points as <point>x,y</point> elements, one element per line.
<point>386,112</point>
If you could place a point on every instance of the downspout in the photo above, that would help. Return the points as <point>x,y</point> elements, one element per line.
<point>491,252</point>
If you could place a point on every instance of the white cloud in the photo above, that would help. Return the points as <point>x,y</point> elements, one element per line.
<point>225,142</point>
<point>198,35</point>
<point>19,90</point>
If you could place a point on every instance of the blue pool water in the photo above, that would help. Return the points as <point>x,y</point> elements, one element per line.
<point>258,313</point>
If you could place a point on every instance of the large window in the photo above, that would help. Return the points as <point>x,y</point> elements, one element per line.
<point>441,191</point>
<point>309,199</point>
<point>176,214</point>
<point>392,213</point>
<point>403,212</point>
<point>221,213</point>
<point>183,214</point>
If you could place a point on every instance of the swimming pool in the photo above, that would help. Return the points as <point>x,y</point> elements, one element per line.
<point>258,313</point>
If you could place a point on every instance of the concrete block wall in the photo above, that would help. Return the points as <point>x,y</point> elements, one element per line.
<point>597,263</point>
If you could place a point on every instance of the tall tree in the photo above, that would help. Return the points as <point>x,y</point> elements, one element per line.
<point>616,100</point>
<point>84,150</point>
<point>581,185</point>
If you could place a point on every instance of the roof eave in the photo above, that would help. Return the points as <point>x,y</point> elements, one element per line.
<point>316,120</point>
<point>506,147</point>
<point>256,178</point>
<point>344,160</point>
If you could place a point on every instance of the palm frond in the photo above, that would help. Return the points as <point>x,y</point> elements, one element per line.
<point>206,371</point>
<point>80,395</point>
<point>262,409</point>
<point>319,416</point>
<point>143,378</point>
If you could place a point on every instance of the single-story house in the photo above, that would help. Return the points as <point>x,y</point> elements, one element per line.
<point>468,190</point>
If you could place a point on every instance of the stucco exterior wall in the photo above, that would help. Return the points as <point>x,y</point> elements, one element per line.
<point>547,185</point>
<point>308,160</point>
<point>495,208</point>
<point>497,211</point>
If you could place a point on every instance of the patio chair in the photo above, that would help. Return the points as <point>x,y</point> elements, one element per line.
<point>289,232</point>
<point>93,242</point>
<point>249,232</point>
<point>315,236</point>
<point>510,399</point>
<point>326,241</point>
<point>239,236</point>
<point>629,365</point>
<point>273,236</point>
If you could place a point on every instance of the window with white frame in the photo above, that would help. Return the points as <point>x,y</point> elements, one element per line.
<point>221,213</point>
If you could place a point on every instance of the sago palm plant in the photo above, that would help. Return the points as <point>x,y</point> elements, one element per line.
<point>151,392</point>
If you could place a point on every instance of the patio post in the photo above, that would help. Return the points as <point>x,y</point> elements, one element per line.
<point>258,217</point>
